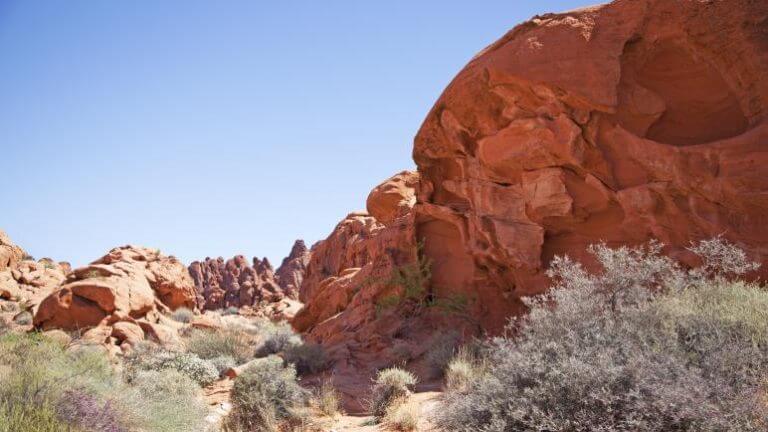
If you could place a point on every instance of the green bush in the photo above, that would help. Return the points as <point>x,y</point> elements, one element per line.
<point>390,387</point>
<point>228,342</point>
<point>642,346</point>
<point>267,396</point>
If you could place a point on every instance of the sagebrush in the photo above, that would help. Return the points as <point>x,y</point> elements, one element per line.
<point>644,345</point>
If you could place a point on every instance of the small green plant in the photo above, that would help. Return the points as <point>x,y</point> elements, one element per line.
<point>391,386</point>
<point>183,315</point>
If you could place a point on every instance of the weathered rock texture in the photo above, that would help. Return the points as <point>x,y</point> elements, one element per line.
<point>24,280</point>
<point>290,274</point>
<point>10,254</point>
<point>634,120</point>
<point>234,282</point>
<point>624,122</point>
<point>119,297</point>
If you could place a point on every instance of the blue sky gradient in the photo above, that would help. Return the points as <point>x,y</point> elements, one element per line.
<point>215,128</point>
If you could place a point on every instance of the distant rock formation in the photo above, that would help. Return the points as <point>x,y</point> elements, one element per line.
<point>290,274</point>
<point>234,283</point>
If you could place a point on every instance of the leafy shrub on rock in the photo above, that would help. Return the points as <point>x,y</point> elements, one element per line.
<point>265,396</point>
<point>644,345</point>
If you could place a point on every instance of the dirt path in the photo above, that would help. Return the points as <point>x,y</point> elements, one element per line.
<point>217,397</point>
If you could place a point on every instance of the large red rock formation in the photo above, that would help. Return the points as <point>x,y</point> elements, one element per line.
<point>120,296</point>
<point>290,274</point>
<point>24,280</point>
<point>234,283</point>
<point>633,120</point>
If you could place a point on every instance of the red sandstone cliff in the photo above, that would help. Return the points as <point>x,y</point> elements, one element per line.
<point>634,120</point>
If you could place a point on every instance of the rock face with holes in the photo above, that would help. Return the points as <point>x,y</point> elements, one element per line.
<point>118,298</point>
<point>622,122</point>
<point>234,283</point>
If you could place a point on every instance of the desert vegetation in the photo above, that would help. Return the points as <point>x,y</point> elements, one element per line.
<point>642,345</point>
<point>48,388</point>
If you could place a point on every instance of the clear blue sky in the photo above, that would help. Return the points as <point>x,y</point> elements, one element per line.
<point>209,128</point>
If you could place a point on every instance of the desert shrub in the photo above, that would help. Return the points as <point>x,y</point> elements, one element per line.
<point>402,416</point>
<point>464,369</point>
<point>265,396</point>
<point>307,358</point>
<point>182,315</point>
<point>163,401</point>
<point>37,418</point>
<point>643,345</point>
<point>327,399</point>
<point>441,350</point>
<point>229,341</point>
<point>89,412</point>
<point>390,387</point>
<point>223,363</point>
<point>277,337</point>
<point>199,370</point>
<point>44,387</point>
<point>23,318</point>
<point>231,311</point>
